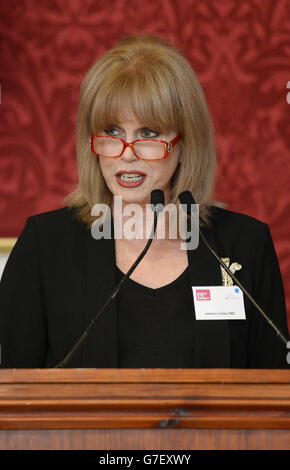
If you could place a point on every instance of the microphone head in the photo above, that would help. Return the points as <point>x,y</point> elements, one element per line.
<point>157,198</point>
<point>186,199</point>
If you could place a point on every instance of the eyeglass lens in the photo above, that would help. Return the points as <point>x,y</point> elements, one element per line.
<point>112,148</point>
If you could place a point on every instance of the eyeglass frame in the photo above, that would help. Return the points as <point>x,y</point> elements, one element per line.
<point>168,146</point>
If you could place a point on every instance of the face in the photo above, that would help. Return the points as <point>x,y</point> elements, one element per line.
<point>155,174</point>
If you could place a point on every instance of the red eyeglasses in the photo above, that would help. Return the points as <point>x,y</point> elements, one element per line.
<point>144,149</point>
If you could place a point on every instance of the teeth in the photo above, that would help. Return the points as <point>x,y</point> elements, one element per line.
<point>131,178</point>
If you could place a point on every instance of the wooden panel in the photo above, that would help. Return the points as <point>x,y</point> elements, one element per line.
<point>145,375</point>
<point>140,398</point>
<point>145,439</point>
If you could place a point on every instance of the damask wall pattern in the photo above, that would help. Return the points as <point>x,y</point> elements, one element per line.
<point>240,50</point>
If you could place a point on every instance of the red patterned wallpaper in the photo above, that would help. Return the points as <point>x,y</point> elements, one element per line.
<point>240,51</point>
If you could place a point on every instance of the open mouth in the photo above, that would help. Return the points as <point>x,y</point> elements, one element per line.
<point>130,179</point>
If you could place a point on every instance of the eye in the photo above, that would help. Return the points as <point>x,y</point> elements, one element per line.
<point>148,133</point>
<point>113,130</point>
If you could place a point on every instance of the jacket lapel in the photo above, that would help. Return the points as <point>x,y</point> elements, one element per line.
<point>101,345</point>
<point>212,340</point>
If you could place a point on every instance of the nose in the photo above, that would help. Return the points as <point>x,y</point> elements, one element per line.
<point>128,155</point>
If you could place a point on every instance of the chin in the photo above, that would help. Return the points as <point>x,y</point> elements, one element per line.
<point>131,196</point>
<point>136,200</point>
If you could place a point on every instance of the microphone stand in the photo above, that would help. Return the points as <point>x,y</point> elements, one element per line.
<point>268,320</point>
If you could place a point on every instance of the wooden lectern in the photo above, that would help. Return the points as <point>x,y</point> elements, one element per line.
<point>146,409</point>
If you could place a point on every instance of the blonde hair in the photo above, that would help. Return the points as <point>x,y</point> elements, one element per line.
<point>164,93</point>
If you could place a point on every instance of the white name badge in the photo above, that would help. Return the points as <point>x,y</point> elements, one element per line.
<point>219,303</point>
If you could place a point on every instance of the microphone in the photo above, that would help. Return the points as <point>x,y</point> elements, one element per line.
<point>157,205</point>
<point>157,200</point>
<point>186,199</point>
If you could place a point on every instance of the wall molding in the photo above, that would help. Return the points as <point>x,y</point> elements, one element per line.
<point>6,244</point>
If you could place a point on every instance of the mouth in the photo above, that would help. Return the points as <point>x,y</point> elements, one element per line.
<point>130,178</point>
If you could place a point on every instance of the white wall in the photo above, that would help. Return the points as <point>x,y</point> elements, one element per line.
<point>3,259</point>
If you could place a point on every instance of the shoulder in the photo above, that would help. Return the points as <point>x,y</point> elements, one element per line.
<point>52,230</point>
<point>226,221</point>
<point>61,215</point>
<point>56,220</point>
<point>239,232</point>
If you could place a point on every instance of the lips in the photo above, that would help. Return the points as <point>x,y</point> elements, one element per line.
<point>130,178</point>
<point>128,172</point>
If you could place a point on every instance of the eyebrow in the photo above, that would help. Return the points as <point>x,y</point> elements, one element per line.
<point>139,128</point>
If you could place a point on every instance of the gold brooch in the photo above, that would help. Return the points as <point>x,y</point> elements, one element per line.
<point>226,278</point>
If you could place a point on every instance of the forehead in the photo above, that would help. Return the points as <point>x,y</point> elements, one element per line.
<point>126,115</point>
<point>139,108</point>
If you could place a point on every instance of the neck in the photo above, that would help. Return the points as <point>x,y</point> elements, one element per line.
<point>135,221</point>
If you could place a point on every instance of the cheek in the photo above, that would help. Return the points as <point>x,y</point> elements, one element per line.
<point>166,171</point>
<point>106,168</point>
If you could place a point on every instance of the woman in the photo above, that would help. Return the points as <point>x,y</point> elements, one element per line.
<point>58,276</point>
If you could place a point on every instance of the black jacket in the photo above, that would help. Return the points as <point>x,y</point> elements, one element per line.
<point>58,276</point>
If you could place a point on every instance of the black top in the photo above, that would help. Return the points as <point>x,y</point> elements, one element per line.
<point>156,326</point>
<point>58,277</point>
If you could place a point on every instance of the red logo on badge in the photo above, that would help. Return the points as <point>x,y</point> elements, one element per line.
<point>202,294</point>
